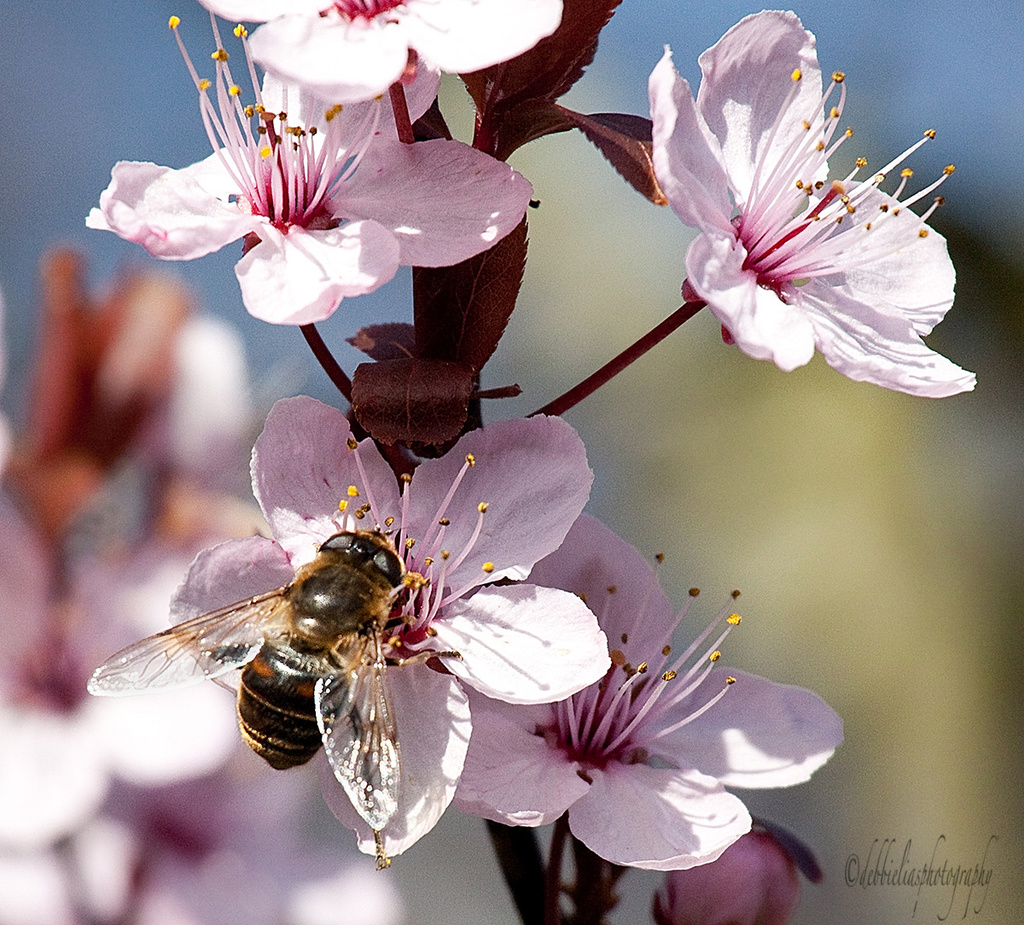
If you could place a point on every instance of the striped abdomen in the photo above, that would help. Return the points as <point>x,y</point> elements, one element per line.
<point>276,713</point>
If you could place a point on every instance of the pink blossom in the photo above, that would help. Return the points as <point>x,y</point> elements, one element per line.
<point>328,202</point>
<point>355,49</point>
<point>786,260</point>
<point>472,523</point>
<point>641,759</point>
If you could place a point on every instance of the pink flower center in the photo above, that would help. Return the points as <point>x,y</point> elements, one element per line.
<point>365,9</point>
<point>622,716</point>
<point>283,171</point>
<point>428,559</point>
<point>796,226</point>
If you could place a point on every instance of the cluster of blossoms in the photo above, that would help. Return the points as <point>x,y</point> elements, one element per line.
<point>532,668</point>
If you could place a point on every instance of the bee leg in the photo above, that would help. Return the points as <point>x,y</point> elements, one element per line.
<point>425,656</point>
<point>383,861</point>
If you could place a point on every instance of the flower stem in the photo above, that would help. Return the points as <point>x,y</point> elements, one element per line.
<point>401,110</point>
<point>519,859</point>
<point>615,366</point>
<point>553,881</point>
<point>326,359</point>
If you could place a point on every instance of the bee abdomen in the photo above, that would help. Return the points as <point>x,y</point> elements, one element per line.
<point>276,712</point>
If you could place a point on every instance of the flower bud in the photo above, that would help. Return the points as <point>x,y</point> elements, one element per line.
<point>754,882</point>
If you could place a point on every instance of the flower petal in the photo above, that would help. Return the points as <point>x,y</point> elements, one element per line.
<point>302,276</point>
<point>169,212</point>
<point>512,774</point>
<point>443,200</point>
<point>747,78</point>
<point>302,467</point>
<point>532,473</point>
<point>687,157</point>
<point>760,734</point>
<point>523,643</point>
<point>657,819</point>
<point>229,572</point>
<point>593,559</point>
<point>465,35</point>
<point>337,60</point>
<point>433,721</point>
<point>761,324</point>
<point>867,344</point>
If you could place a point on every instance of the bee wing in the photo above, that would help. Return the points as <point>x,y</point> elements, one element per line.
<point>203,647</point>
<point>358,727</point>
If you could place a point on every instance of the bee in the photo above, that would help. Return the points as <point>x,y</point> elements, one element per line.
<point>313,670</point>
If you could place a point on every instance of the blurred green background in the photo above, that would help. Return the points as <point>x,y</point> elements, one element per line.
<point>877,538</point>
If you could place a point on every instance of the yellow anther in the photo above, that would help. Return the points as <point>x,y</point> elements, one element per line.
<point>730,680</point>
<point>659,557</point>
<point>352,491</point>
<point>332,112</point>
<point>618,657</point>
<point>666,650</point>
<point>797,74</point>
<point>249,111</point>
<point>867,226</point>
<point>470,460</point>
<point>234,90</point>
<point>240,31</point>
<point>220,55</point>
<point>818,184</point>
<point>351,443</point>
<point>431,631</point>
<point>834,113</point>
<point>806,125</point>
<point>906,172</point>
<point>930,133</point>
<point>668,676</point>
<point>265,151</point>
<point>923,233</point>
<point>409,543</point>
<point>428,561</point>
<point>342,505</point>
<point>735,619</point>
<point>715,656</point>
<point>445,554</point>
<point>948,169</point>
<point>482,507</point>
<point>488,567</point>
<point>849,133</point>
<point>838,76</point>
<point>940,200</point>
<point>444,522</point>
<point>861,162</point>
<point>204,84</point>
<point>641,668</point>
<point>173,22</point>
<point>820,146</point>
<point>734,594</point>
<point>694,592</point>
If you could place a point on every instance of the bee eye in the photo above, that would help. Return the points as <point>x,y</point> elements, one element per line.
<point>390,566</point>
<point>339,542</point>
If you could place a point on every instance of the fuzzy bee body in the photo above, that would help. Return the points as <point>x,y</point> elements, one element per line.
<point>312,668</point>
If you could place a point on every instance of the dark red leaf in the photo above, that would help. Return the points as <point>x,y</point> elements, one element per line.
<point>390,341</point>
<point>626,141</point>
<point>411,400</point>
<point>506,95</point>
<point>461,311</point>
